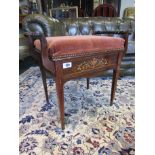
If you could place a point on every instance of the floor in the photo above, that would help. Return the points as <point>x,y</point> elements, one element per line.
<point>92,126</point>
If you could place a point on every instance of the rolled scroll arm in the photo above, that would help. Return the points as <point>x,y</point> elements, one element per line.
<point>47,63</point>
<point>30,36</point>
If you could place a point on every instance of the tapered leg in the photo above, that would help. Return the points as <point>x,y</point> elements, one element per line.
<point>60,96</point>
<point>114,84</point>
<point>87,83</point>
<point>43,74</point>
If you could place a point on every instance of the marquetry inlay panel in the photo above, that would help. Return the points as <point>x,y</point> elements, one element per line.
<point>91,64</point>
<point>88,64</point>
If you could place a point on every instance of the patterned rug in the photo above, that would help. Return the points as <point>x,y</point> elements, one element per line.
<point>92,127</point>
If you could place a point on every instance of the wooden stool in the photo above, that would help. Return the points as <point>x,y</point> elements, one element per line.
<point>69,57</point>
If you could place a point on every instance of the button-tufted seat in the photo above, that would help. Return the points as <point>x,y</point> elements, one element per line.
<point>80,26</point>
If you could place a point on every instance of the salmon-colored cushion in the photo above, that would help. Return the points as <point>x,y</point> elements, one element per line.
<point>63,45</point>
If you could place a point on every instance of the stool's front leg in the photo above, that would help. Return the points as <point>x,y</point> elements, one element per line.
<point>116,72</point>
<point>60,92</point>
<point>60,96</point>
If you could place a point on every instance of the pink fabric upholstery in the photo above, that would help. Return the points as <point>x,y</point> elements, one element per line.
<point>77,44</point>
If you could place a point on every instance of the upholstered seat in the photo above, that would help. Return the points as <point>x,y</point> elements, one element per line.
<point>68,45</point>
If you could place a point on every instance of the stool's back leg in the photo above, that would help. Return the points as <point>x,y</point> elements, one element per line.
<point>87,83</point>
<point>114,84</point>
<point>43,74</point>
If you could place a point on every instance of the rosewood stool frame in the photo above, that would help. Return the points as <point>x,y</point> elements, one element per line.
<point>87,65</point>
